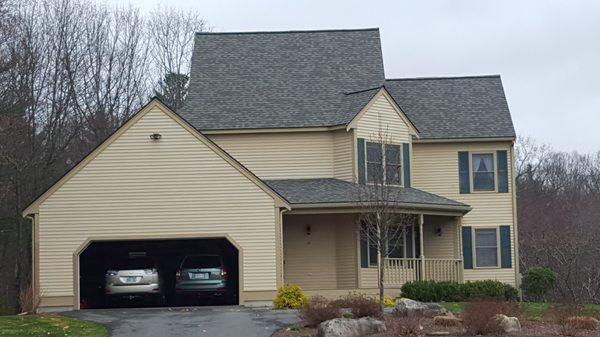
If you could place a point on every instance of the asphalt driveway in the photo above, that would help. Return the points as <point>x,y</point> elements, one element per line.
<point>231,321</point>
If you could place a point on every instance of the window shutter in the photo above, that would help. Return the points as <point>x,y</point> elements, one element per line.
<point>467,242</point>
<point>360,151</point>
<point>406,163</point>
<point>501,157</point>
<point>364,258</point>
<point>463,172</point>
<point>505,251</point>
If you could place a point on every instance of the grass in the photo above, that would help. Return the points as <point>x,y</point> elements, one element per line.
<point>50,326</point>
<point>534,311</point>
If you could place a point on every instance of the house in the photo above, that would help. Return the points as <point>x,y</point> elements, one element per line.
<point>277,131</point>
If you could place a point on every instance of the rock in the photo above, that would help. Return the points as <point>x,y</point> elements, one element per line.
<point>438,333</point>
<point>446,321</point>
<point>586,323</point>
<point>508,324</point>
<point>348,327</point>
<point>409,308</point>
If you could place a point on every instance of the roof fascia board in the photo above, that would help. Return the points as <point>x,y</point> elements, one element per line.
<point>383,92</point>
<point>464,140</point>
<point>33,208</point>
<point>401,206</point>
<point>347,208</point>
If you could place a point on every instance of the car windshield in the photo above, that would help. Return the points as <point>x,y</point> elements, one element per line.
<point>202,261</point>
<point>136,263</point>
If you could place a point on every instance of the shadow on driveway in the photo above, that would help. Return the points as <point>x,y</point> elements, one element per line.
<point>223,321</point>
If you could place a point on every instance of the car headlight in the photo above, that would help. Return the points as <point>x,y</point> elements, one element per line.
<point>112,273</point>
<point>150,271</point>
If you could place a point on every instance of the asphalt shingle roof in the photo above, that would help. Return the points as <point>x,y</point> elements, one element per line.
<point>279,79</point>
<point>331,190</point>
<point>454,107</point>
<point>301,79</point>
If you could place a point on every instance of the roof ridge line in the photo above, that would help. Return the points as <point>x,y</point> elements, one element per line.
<point>289,31</point>
<point>442,77</point>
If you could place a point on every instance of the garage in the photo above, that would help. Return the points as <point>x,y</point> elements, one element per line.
<point>140,273</point>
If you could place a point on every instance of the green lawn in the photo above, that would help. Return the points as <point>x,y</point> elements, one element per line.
<point>48,325</point>
<point>533,311</point>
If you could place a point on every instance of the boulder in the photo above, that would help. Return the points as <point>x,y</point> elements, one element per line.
<point>409,308</point>
<point>508,324</point>
<point>447,321</point>
<point>348,327</point>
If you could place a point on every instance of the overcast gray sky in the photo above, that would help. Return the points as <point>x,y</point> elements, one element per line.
<point>548,52</point>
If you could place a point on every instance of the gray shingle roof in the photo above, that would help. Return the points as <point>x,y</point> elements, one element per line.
<point>330,190</point>
<point>323,78</point>
<point>279,79</point>
<point>454,107</point>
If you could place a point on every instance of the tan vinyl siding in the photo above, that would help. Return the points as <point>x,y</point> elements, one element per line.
<point>325,259</point>
<point>282,155</point>
<point>440,246</point>
<point>382,119</point>
<point>343,154</point>
<point>368,278</point>
<point>435,170</point>
<point>139,187</point>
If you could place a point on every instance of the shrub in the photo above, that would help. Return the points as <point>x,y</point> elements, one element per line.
<point>431,291</point>
<point>583,322</point>
<point>29,301</point>
<point>360,305</point>
<point>404,326</point>
<point>318,309</point>
<point>289,297</point>
<point>568,317</point>
<point>478,317</point>
<point>537,282</point>
<point>389,302</point>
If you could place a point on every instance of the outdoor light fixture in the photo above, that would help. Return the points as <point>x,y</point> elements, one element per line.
<point>155,136</point>
<point>438,231</point>
<point>308,230</point>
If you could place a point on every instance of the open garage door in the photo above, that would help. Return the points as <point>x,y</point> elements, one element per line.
<point>140,273</point>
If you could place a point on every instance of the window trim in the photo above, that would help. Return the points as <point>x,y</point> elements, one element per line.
<point>404,247</point>
<point>384,163</point>
<point>471,176</point>
<point>474,249</point>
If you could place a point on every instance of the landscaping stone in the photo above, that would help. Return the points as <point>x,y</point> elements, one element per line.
<point>409,308</point>
<point>447,321</point>
<point>348,327</point>
<point>508,324</point>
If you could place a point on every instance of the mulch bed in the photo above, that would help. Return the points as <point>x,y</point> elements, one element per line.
<point>529,329</point>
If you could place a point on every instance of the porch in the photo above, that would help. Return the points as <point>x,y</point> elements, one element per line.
<point>325,254</point>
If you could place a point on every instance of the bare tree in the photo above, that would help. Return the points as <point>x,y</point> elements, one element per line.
<point>172,35</point>
<point>383,223</point>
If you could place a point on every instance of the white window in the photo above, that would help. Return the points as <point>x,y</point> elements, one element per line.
<point>486,247</point>
<point>391,172</point>
<point>483,174</point>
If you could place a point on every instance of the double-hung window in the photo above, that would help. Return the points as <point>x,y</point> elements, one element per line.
<point>483,174</point>
<point>384,163</point>
<point>486,247</point>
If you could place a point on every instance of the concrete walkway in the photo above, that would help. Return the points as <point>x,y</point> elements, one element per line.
<point>229,321</point>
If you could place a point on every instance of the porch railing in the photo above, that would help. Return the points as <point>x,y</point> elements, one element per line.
<point>400,271</point>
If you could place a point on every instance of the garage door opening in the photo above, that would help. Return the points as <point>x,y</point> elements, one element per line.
<point>140,273</point>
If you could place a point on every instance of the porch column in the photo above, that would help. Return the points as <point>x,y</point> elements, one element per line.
<point>421,220</point>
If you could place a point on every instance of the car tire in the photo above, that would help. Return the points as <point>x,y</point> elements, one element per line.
<point>160,300</point>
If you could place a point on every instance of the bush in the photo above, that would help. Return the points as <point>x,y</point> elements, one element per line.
<point>289,297</point>
<point>537,282</point>
<point>478,317</point>
<point>318,309</point>
<point>360,305</point>
<point>389,302</point>
<point>29,301</point>
<point>431,291</point>
<point>404,326</point>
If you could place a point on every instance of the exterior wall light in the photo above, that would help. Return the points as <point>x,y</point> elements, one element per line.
<point>155,136</point>
<point>308,230</point>
<point>438,231</point>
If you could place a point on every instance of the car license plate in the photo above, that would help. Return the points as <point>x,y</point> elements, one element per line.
<point>131,279</point>
<point>199,276</point>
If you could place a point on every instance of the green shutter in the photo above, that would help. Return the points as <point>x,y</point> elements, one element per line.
<point>502,159</point>
<point>467,242</point>
<point>360,151</point>
<point>463,172</point>
<point>505,251</point>
<point>364,257</point>
<point>406,163</point>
